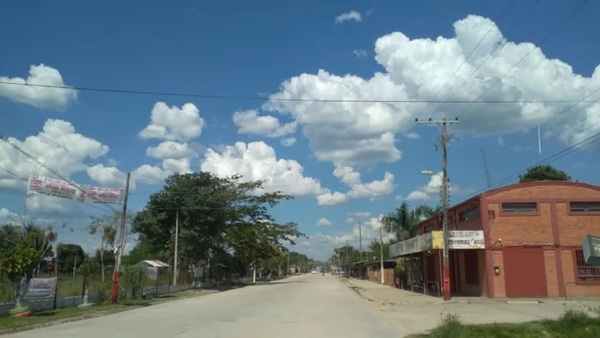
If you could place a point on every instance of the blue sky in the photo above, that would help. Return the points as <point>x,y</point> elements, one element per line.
<point>338,158</point>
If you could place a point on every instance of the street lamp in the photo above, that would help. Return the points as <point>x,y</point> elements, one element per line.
<point>446,258</point>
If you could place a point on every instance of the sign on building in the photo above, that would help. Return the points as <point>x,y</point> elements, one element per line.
<point>462,239</point>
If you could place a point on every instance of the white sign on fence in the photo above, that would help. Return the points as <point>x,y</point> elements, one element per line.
<point>53,187</point>
<point>41,289</point>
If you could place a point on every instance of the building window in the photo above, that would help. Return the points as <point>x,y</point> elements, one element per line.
<point>469,214</point>
<point>519,208</point>
<point>586,272</point>
<point>585,207</point>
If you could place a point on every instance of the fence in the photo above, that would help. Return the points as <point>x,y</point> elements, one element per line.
<point>66,302</point>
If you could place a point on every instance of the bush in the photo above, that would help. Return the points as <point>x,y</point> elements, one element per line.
<point>134,278</point>
<point>451,327</point>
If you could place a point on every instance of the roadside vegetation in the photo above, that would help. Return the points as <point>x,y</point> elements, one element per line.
<point>574,323</point>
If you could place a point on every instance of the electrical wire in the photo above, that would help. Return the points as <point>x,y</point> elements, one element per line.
<point>469,55</point>
<point>275,99</point>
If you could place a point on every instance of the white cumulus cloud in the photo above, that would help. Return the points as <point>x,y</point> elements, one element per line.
<point>358,189</point>
<point>173,123</point>
<point>258,161</point>
<point>433,190</point>
<point>40,97</point>
<point>363,133</point>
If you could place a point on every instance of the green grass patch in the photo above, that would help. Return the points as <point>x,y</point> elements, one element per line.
<point>572,324</point>
<point>47,317</point>
<point>56,316</point>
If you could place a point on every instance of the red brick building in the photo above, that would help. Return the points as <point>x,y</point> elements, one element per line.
<point>530,247</point>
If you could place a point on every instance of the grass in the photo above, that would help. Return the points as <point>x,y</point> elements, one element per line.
<point>69,286</point>
<point>572,324</point>
<point>45,318</point>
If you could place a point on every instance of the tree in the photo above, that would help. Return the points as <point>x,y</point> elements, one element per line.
<point>107,227</point>
<point>544,173</point>
<point>22,250</point>
<point>215,215</point>
<point>86,269</point>
<point>405,223</point>
<point>134,277</point>
<point>69,256</point>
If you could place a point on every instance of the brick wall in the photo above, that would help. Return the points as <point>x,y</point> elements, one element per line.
<point>553,209</point>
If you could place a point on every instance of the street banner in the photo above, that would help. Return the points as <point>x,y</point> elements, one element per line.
<point>69,190</point>
<point>103,195</point>
<point>54,187</point>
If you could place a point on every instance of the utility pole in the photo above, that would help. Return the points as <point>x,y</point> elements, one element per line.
<point>381,255</point>
<point>175,251</point>
<point>120,246</point>
<point>360,238</point>
<point>443,142</point>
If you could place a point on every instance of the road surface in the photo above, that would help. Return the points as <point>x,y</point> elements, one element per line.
<point>302,306</point>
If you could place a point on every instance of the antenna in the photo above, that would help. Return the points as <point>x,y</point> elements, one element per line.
<point>488,176</point>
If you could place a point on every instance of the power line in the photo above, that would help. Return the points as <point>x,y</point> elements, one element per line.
<point>558,155</point>
<point>494,50</point>
<point>469,55</point>
<point>54,172</point>
<point>258,98</point>
<point>13,174</point>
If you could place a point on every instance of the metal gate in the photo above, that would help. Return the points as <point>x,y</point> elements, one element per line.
<point>524,273</point>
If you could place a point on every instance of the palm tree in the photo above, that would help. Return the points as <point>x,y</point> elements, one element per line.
<point>405,223</point>
<point>107,227</point>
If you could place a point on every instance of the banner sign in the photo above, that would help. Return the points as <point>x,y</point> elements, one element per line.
<point>435,240</point>
<point>41,289</point>
<point>63,189</point>
<point>57,188</point>
<point>103,195</point>
<point>466,240</point>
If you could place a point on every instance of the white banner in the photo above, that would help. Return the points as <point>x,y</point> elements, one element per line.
<point>53,187</point>
<point>465,239</point>
<point>63,189</point>
<point>103,195</point>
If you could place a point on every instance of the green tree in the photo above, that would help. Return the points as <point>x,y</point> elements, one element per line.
<point>215,214</point>
<point>22,248</point>
<point>544,173</point>
<point>404,222</point>
<point>87,268</point>
<point>69,256</point>
<point>107,227</point>
<point>134,277</point>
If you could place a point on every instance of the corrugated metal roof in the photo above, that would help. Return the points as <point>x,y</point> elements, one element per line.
<point>156,264</point>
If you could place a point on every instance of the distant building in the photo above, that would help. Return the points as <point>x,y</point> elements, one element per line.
<point>519,241</point>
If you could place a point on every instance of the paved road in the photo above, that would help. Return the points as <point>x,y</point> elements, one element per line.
<point>302,306</point>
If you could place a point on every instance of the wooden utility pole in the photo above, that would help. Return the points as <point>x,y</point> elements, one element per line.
<point>175,251</point>
<point>443,142</point>
<point>121,243</point>
<point>360,238</point>
<point>381,254</point>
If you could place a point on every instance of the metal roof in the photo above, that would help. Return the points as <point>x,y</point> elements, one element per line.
<point>156,264</point>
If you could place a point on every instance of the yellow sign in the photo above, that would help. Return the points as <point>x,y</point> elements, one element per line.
<point>437,239</point>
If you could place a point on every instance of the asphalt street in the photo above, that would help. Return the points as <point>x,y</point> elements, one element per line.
<point>302,306</point>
